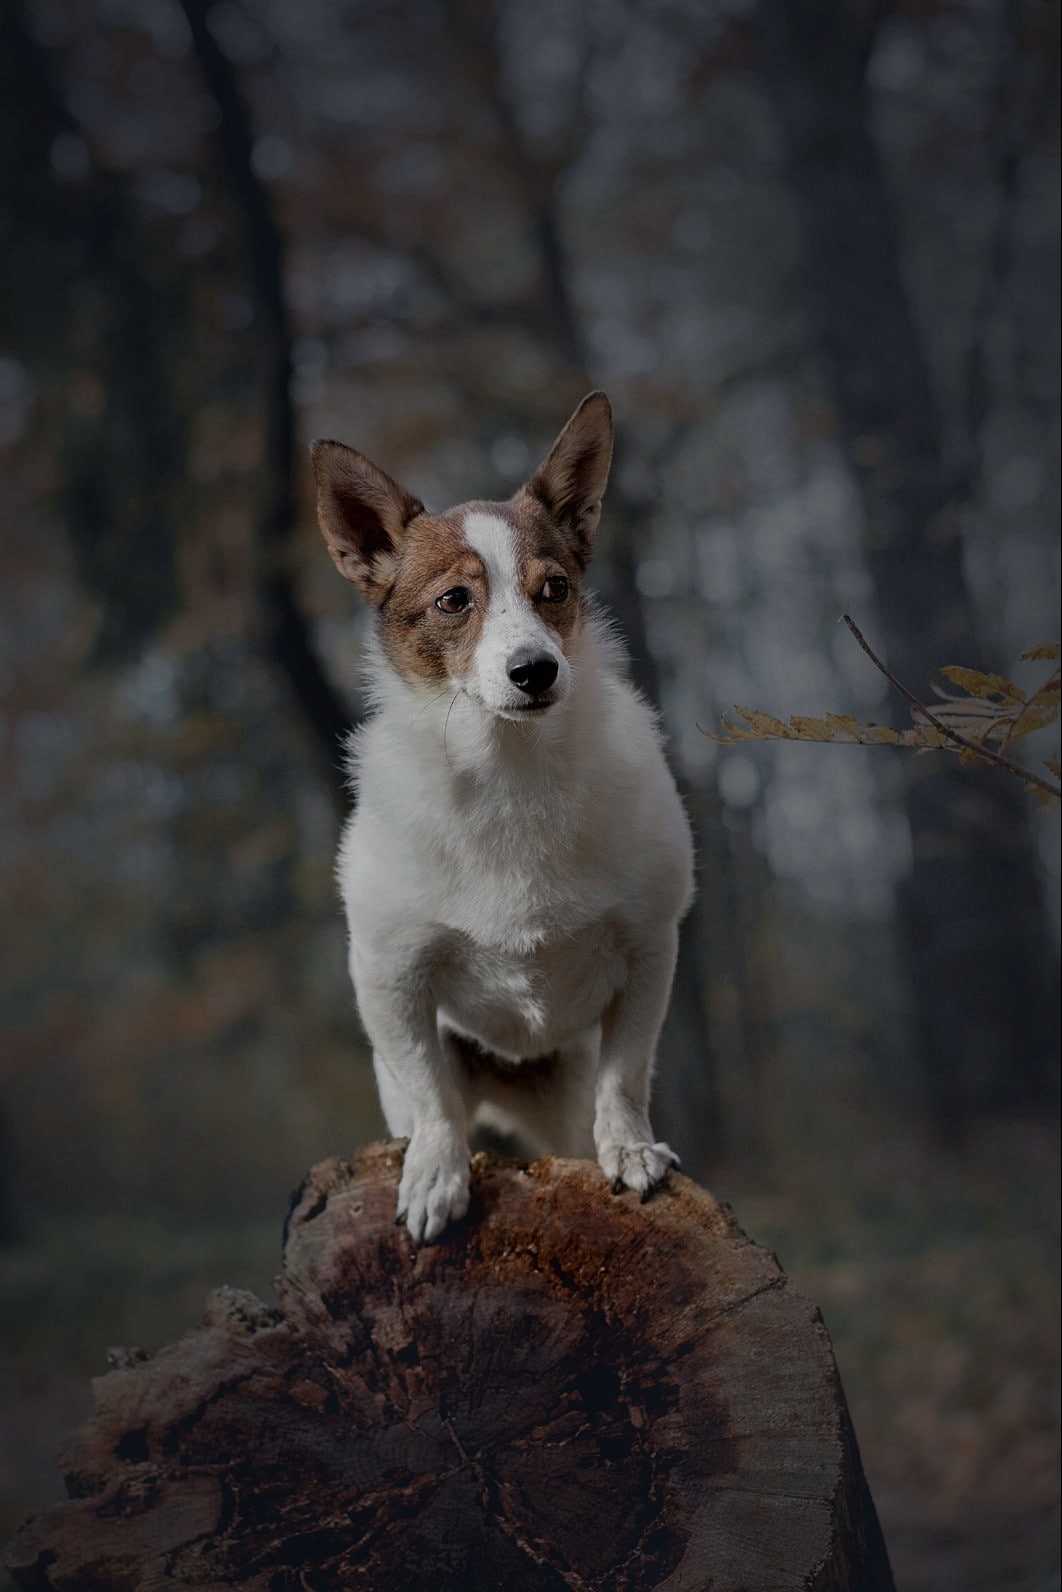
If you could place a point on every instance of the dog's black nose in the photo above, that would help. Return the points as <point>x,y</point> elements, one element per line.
<point>532,672</point>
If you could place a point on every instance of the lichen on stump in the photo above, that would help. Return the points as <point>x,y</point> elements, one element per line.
<point>570,1390</point>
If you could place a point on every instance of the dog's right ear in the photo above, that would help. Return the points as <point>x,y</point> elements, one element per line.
<point>363,515</point>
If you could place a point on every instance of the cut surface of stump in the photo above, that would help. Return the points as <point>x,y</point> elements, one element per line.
<point>569,1390</point>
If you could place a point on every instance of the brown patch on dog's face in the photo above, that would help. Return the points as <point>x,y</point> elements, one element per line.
<point>420,638</point>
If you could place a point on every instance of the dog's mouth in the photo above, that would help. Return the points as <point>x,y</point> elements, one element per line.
<point>512,709</point>
<point>516,712</point>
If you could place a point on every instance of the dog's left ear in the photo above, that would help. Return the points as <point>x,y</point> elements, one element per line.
<point>571,481</point>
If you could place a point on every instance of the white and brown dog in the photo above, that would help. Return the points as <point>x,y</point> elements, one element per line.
<point>519,860</point>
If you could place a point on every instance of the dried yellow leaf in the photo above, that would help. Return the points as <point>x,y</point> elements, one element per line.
<point>1049,692</point>
<point>845,724</point>
<point>758,727</point>
<point>926,737</point>
<point>809,729</point>
<point>766,724</point>
<point>1035,717</point>
<point>975,726</point>
<point>732,733</point>
<point>979,684</point>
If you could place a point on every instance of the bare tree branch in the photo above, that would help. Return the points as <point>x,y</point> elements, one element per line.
<point>923,712</point>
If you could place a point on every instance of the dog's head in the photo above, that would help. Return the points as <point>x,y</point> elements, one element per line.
<point>486,596</point>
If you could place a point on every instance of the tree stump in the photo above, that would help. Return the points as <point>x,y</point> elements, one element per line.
<point>570,1390</point>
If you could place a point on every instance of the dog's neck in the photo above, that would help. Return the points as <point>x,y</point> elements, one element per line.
<point>463,757</point>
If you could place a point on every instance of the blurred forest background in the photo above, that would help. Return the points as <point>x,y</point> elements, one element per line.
<point>811,251</point>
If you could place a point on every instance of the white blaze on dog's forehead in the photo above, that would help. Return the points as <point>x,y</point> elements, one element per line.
<point>494,539</point>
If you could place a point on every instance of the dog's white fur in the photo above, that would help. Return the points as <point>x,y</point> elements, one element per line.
<point>517,880</point>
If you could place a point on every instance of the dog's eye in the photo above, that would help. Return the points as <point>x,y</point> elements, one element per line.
<point>454,601</point>
<point>556,589</point>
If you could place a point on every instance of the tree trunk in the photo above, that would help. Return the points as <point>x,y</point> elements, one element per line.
<point>79,297</point>
<point>972,917</point>
<point>288,638</point>
<point>570,1390</point>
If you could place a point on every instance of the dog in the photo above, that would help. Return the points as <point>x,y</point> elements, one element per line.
<point>519,859</point>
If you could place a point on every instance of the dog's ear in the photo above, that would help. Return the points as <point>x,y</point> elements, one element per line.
<point>571,480</point>
<point>363,515</point>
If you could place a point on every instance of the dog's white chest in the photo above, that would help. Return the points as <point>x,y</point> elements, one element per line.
<point>526,1003</point>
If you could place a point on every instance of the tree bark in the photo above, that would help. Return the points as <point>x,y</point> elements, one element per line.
<point>971,913</point>
<point>570,1390</point>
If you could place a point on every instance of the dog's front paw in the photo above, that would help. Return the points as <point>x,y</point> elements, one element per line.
<point>640,1166</point>
<point>434,1187</point>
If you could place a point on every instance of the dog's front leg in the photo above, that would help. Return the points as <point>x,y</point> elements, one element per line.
<point>629,1034</point>
<point>421,1099</point>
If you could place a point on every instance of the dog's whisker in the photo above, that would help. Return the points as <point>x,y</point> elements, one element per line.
<point>430,703</point>
<point>446,726</point>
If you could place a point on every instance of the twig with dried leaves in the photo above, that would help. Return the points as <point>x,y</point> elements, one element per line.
<point>979,720</point>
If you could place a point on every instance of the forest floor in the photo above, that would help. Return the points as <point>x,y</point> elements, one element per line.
<point>938,1276</point>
